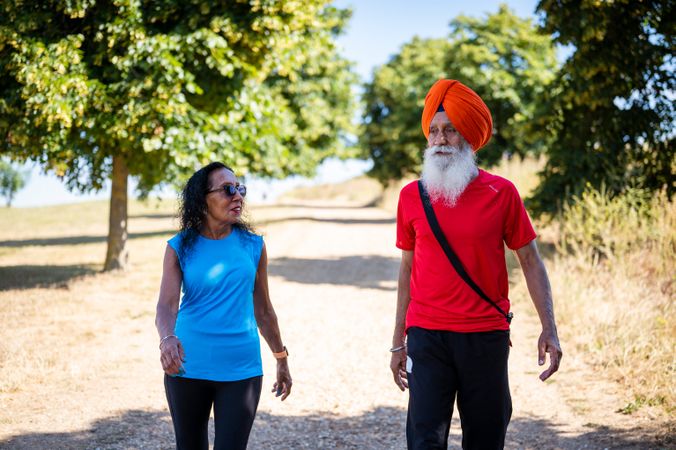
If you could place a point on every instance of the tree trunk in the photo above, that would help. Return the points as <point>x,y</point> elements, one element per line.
<point>117,255</point>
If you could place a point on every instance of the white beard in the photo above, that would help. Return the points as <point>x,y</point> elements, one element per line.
<point>446,175</point>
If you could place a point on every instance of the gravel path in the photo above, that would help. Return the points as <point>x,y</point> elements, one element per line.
<point>333,282</point>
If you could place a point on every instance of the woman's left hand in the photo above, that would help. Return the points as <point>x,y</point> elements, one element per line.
<point>283,384</point>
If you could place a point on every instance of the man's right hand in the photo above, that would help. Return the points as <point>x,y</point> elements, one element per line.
<point>398,366</point>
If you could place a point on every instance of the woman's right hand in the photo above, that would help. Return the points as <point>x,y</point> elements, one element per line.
<point>172,356</point>
<point>283,384</point>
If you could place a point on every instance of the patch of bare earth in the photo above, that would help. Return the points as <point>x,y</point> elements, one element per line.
<point>79,361</point>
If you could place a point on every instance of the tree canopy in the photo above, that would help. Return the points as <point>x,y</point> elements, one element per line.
<point>502,57</point>
<point>393,103</point>
<point>95,90</point>
<point>611,109</point>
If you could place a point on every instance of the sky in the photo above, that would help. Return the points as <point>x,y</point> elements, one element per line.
<point>379,28</point>
<point>377,31</point>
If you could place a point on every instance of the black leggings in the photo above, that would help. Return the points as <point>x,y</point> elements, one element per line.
<point>234,403</point>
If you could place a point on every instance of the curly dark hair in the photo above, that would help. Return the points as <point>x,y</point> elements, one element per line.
<point>193,207</point>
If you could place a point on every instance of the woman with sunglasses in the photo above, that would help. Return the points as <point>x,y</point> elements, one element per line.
<point>209,345</point>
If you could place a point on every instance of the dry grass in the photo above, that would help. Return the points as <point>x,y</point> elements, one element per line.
<point>615,281</point>
<point>45,332</point>
<point>621,324</point>
<point>360,190</point>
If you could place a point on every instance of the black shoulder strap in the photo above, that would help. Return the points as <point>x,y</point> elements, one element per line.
<point>450,254</point>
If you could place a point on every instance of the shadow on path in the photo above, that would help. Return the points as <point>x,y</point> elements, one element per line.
<point>74,240</point>
<point>378,429</point>
<point>132,429</point>
<point>370,204</point>
<point>386,221</point>
<point>533,433</point>
<point>368,271</point>
<point>153,216</point>
<point>27,277</point>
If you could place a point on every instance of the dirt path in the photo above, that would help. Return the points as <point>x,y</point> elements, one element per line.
<point>333,282</point>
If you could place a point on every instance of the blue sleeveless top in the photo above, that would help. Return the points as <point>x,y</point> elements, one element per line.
<point>215,321</point>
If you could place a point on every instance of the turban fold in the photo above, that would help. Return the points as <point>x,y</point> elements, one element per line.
<point>464,108</point>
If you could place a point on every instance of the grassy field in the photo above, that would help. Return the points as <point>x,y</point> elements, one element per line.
<point>61,249</point>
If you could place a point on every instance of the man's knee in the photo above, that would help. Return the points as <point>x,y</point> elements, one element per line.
<point>484,426</point>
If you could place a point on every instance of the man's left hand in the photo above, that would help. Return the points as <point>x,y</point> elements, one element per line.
<point>549,343</point>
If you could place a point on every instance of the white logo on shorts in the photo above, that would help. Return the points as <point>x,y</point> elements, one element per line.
<point>409,364</point>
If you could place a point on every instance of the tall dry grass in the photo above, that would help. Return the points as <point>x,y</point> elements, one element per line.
<point>614,280</point>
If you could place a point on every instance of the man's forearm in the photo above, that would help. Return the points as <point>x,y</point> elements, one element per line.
<point>539,287</point>
<point>399,335</point>
<point>541,294</point>
<point>403,299</point>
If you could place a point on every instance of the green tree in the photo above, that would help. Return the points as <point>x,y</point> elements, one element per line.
<point>390,133</point>
<point>12,181</point>
<point>510,64</point>
<point>611,109</point>
<point>502,57</point>
<point>104,90</point>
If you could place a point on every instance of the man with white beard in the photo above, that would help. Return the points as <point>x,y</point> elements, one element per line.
<point>447,171</point>
<point>451,334</point>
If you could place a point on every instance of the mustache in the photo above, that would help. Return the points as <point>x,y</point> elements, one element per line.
<point>445,149</point>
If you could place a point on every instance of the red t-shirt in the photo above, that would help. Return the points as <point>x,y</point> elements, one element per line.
<point>488,215</point>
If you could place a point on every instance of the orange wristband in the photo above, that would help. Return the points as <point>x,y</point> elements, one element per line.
<point>281,355</point>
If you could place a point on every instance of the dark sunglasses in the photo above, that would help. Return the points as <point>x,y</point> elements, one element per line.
<point>230,190</point>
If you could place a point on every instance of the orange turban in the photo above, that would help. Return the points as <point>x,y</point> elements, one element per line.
<point>464,108</point>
